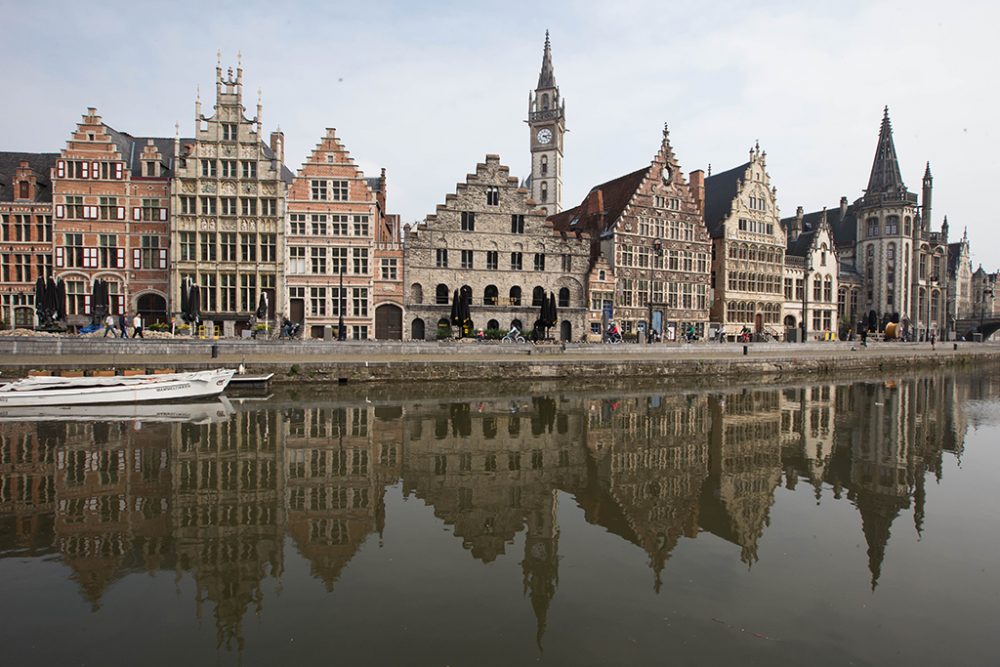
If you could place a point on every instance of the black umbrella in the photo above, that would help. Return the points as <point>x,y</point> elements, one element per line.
<point>262,307</point>
<point>40,305</point>
<point>553,312</point>
<point>464,314</point>
<point>61,299</point>
<point>194,304</point>
<point>455,317</point>
<point>872,320</point>
<point>52,298</point>
<point>185,299</point>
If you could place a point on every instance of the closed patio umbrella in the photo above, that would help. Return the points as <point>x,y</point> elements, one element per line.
<point>61,300</point>
<point>455,317</point>
<point>262,308</point>
<point>194,304</point>
<point>185,299</point>
<point>553,311</point>
<point>41,309</point>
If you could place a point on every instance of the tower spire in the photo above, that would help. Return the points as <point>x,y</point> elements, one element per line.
<point>547,77</point>
<point>885,178</point>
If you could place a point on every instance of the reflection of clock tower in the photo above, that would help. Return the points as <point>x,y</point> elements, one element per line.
<point>547,121</point>
<point>541,560</point>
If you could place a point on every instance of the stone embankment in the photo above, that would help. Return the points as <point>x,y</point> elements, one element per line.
<point>378,361</point>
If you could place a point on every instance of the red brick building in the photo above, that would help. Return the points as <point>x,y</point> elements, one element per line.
<point>111,202</point>
<point>25,233</point>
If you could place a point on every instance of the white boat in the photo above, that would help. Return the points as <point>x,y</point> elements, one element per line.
<point>206,412</point>
<point>36,391</point>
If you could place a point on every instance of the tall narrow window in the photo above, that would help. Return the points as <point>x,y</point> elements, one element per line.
<point>493,196</point>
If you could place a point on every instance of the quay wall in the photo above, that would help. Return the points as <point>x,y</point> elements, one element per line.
<point>451,361</point>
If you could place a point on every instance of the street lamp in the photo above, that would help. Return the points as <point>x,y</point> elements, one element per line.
<point>341,334</point>
<point>805,297</point>
<point>987,292</point>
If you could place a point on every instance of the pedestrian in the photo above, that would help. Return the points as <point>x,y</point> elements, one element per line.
<point>123,324</point>
<point>932,340</point>
<point>109,325</point>
<point>137,326</point>
<point>864,337</point>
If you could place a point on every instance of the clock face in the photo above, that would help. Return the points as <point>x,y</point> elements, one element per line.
<point>544,135</point>
<point>666,174</point>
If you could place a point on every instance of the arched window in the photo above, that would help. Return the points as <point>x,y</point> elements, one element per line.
<point>892,225</point>
<point>416,294</point>
<point>515,296</point>
<point>545,165</point>
<point>441,295</point>
<point>24,188</point>
<point>490,295</point>
<point>517,323</point>
<point>907,226</point>
<point>564,297</point>
<point>545,102</point>
<point>492,324</point>
<point>873,227</point>
<point>545,192</point>
<point>537,296</point>
<point>828,289</point>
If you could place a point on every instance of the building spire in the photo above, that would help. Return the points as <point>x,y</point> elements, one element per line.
<point>885,178</point>
<point>547,77</point>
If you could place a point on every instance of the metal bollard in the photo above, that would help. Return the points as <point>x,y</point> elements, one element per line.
<point>745,350</point>
<point>215,351</point>
<point>955,346</point>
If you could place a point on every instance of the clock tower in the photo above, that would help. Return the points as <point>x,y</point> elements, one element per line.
<point>547,123</point>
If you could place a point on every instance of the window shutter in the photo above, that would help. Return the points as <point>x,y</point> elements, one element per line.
<point>60,257</point>
<point>163,214</point>
<point>163,258</point>
<point>84,170</point>
<point>120,259</point>
<point>119,170</point>
<point>136,213</point>
<point>96,169</point>
<point>60,211</point>
<point>136,258</point>
<point>86,303</point>
<point>120,213</point>
<point>61,168</point>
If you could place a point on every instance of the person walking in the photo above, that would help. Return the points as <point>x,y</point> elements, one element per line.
<point>109,326</point>
<point>123,325</point>
<point>137,326</point>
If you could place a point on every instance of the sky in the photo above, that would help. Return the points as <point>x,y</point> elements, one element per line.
<point>427,89</point>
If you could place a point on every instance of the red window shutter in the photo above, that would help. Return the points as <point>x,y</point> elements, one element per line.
<point>163,258</point>
<point>136,213</point>
<point>96,170</point>
<point>84,170</point>
<point>60,211</point>
<point>118,170</point>
<point>120,259</point>
<point>136,258</point>
<point>121,213</point>
<point>163,214</point>
<point>61,169</point>
<point>60,257</point>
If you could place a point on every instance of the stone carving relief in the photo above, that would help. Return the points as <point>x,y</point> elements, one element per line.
<point>269,189</point>
<point>188,186</point>
<point>208,187</point>
<point>228,188</point>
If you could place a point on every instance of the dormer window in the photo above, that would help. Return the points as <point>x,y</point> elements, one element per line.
<point>150,168</point>
<point>24,188</point>
<point>229,131</point>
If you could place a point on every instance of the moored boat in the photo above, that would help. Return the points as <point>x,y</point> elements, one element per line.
<point>40,391</point>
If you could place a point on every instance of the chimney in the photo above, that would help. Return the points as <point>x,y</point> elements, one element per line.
<point>594,203</point>
<point>843,207</point>
<point>696,185</point>
<point>278,146</point>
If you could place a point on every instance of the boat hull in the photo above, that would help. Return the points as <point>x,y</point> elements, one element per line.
<point>138,389</point>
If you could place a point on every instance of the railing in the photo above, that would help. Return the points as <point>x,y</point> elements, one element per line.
<point>545,114</point>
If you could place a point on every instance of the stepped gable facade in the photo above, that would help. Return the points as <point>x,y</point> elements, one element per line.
<point>332,214</point>
<point>647,227</point>
<point>25,232</point>
<point>229,197</point>
<point>748,242</point>
<point>490,240</point>
<point>111,204</point>
<point>811,281</point>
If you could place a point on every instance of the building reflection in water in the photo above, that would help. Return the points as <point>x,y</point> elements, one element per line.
<point>216,499</point>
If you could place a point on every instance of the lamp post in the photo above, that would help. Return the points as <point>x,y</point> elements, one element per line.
<point>987,293</point>
<point>341,334</point>
<point>805,298</point>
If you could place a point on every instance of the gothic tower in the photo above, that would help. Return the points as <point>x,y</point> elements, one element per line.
<point>541,561</point>
<point>547,123</point>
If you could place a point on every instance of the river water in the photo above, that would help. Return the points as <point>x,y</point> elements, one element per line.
<point>829,524</point>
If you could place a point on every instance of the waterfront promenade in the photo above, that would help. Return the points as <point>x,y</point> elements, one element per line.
<point>375,361</point>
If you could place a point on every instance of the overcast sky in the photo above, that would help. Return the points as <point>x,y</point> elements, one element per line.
<point>427,89</point>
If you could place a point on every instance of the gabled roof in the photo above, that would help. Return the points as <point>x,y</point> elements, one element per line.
<point>40,163</point>
<point>844,229</point>
<point>886,182</point>
<point>720,191</point>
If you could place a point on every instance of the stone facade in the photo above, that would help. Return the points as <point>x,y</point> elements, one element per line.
<point>811,283</point>
<point>490,238</point>
<point>547,126</point>
<point>25,233</point>
<point>960,280</point>
<point>648,226</point>
<point>229,199</point>
<point>332,215</point>
<point>741,213</point>
<point>112,219</point>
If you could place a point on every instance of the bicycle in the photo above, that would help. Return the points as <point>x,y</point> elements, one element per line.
<point>614,338</point>
<point>513,336</point>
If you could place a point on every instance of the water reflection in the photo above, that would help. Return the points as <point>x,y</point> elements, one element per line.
<point>217,497</point>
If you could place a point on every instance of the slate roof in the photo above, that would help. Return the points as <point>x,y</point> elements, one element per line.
<point>954,254</point>
<point>40,163</point>
<point>845,230</point>
<point>720,191</point>
<point>885,178</point>
<point>547,77</point>
<point>375,183</point>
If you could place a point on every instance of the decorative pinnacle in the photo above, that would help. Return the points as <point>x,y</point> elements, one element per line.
<point>218,58</point>
<point>666,131</point>
<point>239,58</point>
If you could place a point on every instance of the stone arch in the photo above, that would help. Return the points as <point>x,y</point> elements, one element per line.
<point>416,294</point>
<point>491,295</point>
<point>152,306</point>
<point>515,295</point>
<point>417,331</point>
<point>537,296</point>
<point>566,330</point>
<point>564,297</point>
<point>442,295</point>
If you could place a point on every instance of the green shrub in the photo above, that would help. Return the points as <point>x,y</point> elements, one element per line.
<point>159,326</point>
<point>294,370</point>
<point>444,333</point>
